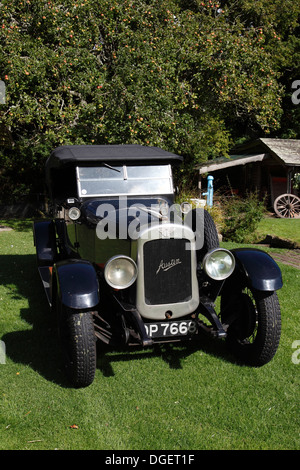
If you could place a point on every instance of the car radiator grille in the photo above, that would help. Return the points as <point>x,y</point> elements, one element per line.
<point>167,271</point>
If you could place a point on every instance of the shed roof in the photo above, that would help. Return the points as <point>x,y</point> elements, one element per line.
<point>288,150</point>
<point>227,162</point>
<point>285,151</point>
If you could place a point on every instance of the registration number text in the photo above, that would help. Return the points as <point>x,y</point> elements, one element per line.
<point>179,328</point>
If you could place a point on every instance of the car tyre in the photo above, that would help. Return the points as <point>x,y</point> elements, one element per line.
<point>200,220</point>
<point>78,343</point>
<point>211,238</point>
<point>253,337</point>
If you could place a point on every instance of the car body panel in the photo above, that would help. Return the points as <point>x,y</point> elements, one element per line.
<point>77,284</point>
<point>261,271</point>
<point>44,241</point>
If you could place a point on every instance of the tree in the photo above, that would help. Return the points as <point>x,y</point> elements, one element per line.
<point>191,77</point>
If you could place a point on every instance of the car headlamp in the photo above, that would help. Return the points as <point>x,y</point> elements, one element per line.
<point>164,208</point>
<point>74,213</point>
<point>120,272</point>
<point>219,264</point>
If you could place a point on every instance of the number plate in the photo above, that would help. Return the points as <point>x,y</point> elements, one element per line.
<point>173,328</point>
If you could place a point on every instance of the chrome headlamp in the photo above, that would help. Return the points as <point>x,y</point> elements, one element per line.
<point>120,272</point>
<point>219,264</point>
<point>74,213</point>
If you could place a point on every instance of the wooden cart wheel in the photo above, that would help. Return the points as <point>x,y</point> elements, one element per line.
<point>287,206</point>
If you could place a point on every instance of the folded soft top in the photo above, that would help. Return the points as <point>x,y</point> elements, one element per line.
<point>98,153</point>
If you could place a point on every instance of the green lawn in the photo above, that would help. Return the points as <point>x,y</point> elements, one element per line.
<point>175,398</point>
<point>282,228</point>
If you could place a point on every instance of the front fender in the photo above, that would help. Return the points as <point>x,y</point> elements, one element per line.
<point>77,284</point>
<point>260,270</point>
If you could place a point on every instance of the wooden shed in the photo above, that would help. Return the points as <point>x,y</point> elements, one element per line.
<point>267,166</point>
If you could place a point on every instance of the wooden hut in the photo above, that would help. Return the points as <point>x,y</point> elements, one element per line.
<point>267,166</point>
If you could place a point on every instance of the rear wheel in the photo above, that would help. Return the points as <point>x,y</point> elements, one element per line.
<point>254,325</point>
<point>78,342</point>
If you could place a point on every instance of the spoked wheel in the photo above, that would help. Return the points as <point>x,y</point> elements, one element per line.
<point>254,325</point>
<point>78,343</point>
<point>287,206</point>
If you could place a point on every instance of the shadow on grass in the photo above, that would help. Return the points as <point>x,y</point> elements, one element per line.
<point>174,354</point>
<point>19,225</point>
<point>38,345</point>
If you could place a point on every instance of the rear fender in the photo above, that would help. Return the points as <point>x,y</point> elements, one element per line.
<point>45,242</point>
<point>258,268</point>
<point>76,283</point>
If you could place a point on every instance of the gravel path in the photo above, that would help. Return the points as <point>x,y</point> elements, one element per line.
<point>291,257</point>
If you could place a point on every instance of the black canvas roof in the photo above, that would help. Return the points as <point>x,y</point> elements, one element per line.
<point>107,153</point>
<point>60,166</point>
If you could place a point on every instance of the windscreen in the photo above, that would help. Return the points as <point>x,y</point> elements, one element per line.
<point>124,180</point>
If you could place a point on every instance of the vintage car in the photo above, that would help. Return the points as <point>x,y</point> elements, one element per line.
<point>121,263</point>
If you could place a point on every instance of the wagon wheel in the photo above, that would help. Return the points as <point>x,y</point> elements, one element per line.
<point>287,206</point>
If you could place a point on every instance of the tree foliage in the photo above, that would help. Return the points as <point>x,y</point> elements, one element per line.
<point>189,76</point>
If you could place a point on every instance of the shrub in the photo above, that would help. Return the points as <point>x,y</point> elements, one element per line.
<point>217,215</point>
<point>241,217</point>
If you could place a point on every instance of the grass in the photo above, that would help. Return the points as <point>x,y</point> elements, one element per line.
<point>283,228</point>
<point>166,398</point>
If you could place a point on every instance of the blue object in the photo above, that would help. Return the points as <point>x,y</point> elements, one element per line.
<point>77,284</point>
<point>210,191</point>
<point>260,270</point>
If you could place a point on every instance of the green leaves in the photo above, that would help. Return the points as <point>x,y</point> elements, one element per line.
<point>190,77</point>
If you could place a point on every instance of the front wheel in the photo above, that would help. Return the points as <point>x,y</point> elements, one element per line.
<point>202,224</point>
<point>254,325</point>
<point>78,342</point>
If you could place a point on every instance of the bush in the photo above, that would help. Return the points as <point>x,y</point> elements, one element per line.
<point>236,218</point>
<point>217,215</point>
<point>241,217</point>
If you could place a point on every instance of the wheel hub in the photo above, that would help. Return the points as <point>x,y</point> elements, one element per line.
<point>247,318</point>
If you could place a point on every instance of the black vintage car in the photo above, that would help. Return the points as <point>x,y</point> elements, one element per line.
<point>121,263</point>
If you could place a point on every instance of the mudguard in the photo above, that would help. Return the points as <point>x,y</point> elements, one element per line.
<point>45,242</point>
<point>77,284</point>
<point>261,271</point>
